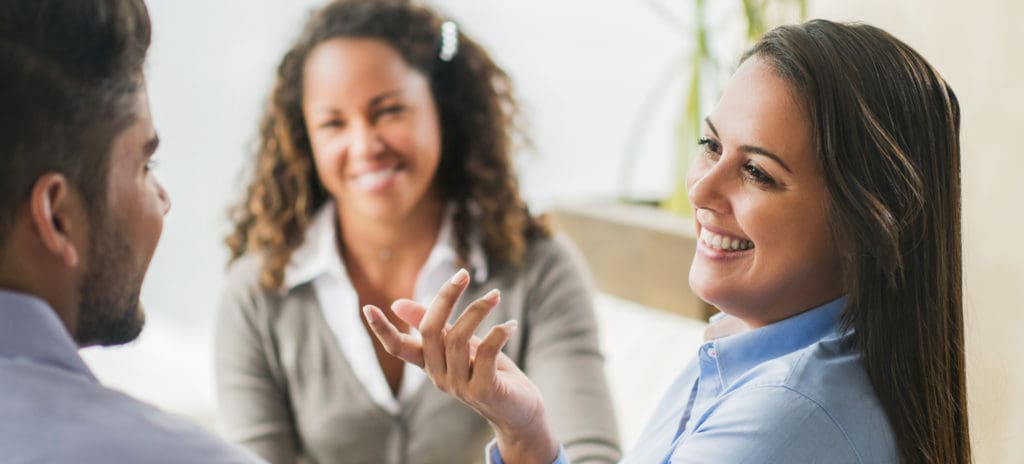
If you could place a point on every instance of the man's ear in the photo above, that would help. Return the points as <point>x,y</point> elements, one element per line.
<point>54,207</point>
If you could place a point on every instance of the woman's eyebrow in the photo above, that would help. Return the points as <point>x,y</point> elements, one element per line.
<point>384,96</point>
<point>329,108</point>
<point>752,148</point>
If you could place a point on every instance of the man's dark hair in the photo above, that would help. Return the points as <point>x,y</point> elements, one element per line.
<point>69,72</point>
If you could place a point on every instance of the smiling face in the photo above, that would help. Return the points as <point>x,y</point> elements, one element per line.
<point>373,128</point>
<point>765,250</point>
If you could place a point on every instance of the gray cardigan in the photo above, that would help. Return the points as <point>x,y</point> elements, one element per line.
<point>286,392</point>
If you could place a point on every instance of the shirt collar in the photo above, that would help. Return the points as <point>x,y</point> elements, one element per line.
<point>30,329</point>
<point>318,254</point>
<point>739,353</point>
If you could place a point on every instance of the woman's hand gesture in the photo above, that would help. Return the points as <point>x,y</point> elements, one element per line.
<point>471,369</point>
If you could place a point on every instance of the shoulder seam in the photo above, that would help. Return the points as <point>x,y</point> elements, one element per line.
<point>832,418</point>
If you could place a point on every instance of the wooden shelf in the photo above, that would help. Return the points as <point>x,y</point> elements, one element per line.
<point>638,253</point>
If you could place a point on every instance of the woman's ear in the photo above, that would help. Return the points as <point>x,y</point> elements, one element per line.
<point>56,215</point>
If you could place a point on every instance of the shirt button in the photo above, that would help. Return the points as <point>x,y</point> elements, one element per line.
<point>712,353</point>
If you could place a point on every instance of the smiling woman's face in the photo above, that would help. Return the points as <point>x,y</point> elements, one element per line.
<point>765,250</point>
<point>373,128</point>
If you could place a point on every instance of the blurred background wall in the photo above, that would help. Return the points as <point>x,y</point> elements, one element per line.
<point>584,70</point>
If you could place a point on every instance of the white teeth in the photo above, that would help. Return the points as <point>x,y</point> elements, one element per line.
<point>722,242</point>
<point>370,179</point>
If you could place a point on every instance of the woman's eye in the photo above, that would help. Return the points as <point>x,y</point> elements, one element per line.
<point>711,147</point>
<point>152,164</point>
<point>331,124</point>
<point>393,109</point>
<point>757,175</point>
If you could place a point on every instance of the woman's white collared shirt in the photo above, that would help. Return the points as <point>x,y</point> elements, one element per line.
<point>318,260</point>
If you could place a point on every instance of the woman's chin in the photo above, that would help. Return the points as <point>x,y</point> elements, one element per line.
<point>703,288</point>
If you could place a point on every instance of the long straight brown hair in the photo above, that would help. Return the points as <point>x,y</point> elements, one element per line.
<point>886,129</point>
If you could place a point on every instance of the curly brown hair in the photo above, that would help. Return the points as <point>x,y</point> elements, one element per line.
<point>477,112</point>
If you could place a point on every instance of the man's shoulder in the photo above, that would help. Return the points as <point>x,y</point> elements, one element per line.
<point>52,416</point>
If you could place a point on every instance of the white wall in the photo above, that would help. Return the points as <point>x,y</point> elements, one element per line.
<point>210,67</point>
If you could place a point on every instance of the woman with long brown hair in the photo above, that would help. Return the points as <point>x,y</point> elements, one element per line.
<point>383,167</point>
<point>827,203</point>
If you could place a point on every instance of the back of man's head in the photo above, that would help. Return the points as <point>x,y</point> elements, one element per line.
<point>69,72</point>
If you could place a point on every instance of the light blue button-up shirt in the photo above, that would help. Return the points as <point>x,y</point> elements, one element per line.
<point>791,392</point>
<point>52,408</point>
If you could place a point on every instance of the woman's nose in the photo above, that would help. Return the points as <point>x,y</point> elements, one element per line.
<point>705,185</point>
<point>366,141</point>
<point>163,196</point>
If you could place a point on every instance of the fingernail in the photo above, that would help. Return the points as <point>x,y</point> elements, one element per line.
<point>460,277</point>
<point>370,317</point>
<point>511,326</point>
<point>493,296</point>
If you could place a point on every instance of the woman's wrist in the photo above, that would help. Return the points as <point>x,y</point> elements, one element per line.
<point>532,444</point>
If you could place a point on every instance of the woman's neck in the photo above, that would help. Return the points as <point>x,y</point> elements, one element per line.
<point>385,256</point>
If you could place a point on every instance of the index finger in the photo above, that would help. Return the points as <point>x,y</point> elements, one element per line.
<point>436,319</point>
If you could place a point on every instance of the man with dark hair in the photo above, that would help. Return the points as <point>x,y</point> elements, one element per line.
<point>80,217</point>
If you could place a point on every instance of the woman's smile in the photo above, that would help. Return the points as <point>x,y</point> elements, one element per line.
<point>720,245</point>
<point>376,179</point>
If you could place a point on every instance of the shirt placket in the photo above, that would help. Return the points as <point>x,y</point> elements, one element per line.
<point>706,389</point>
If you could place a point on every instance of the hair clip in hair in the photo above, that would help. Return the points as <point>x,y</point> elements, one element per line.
<point>449,40</point>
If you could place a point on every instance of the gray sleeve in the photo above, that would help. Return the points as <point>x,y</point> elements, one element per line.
<point>563,356</point>
<point>252,398</point>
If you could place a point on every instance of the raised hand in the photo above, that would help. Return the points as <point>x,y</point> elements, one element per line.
<point>471,369</point>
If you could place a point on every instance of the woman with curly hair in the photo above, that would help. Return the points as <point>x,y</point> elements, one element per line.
<point>384,167</point>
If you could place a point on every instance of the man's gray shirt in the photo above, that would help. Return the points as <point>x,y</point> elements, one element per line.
<point>53,410</point>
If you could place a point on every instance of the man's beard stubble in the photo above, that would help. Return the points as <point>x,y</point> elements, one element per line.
<point>109,309</point>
